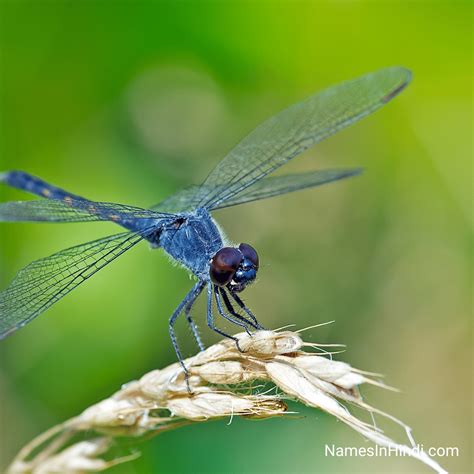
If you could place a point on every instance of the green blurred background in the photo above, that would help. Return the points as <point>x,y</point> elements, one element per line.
<point>130,101</point>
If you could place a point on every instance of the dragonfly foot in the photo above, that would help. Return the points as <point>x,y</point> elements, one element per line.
<point>237,343</point>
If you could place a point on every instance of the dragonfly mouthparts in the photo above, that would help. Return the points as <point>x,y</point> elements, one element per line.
<point>244,276</point>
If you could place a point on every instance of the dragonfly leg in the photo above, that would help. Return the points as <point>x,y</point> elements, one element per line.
<point>187,301</point>
<point>234,313</point>
<point>247,310</point>
<point>239,321</point>
<point>210,319</point>
<point>193,325</point>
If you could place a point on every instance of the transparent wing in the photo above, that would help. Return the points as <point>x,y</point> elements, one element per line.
<point>276,185</point>
<point>296,129</point>
<point>186,199</point>
<point>268,187</point>
<point>43,282</point>
<point>48,210</point>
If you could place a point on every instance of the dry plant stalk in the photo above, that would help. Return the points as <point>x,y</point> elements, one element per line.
<point>221,380</point>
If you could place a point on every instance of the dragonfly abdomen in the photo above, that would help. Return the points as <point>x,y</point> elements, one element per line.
<point>34,185</point>
<point>105,211</point>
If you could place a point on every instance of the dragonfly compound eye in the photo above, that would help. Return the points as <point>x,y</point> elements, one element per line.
<point>249,253</point>
<point>224,265</point>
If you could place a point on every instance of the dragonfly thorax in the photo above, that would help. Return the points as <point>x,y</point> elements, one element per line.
<point>192,239</point>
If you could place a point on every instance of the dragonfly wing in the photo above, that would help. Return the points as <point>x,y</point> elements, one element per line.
<point>186,199</point>
<point>276,185</point>
<point>43,211</point>
<point>299,127</point>
<point>50,210</point>
<point>43,282</point>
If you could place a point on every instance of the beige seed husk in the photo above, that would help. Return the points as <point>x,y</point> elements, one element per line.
<point>223,383</point>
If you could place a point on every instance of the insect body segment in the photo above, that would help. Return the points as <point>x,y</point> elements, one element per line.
<point>63,206</point>
<point>34,185</point>
<point>192,239</point>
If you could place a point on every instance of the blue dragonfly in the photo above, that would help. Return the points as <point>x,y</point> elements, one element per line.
<point>182,225</point>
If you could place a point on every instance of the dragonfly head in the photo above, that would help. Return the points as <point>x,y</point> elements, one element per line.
<point>234,267</point>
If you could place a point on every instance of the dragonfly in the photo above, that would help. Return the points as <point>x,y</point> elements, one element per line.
<point>182,225</point>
